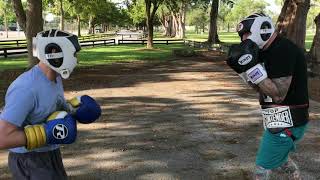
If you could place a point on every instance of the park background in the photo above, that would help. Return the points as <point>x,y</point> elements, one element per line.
<point>171,107</point>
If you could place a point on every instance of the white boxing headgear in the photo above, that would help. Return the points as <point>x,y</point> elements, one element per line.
<point>57,49</point>
<point>259,25</point>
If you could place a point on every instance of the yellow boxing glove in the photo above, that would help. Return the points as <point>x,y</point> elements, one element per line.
<point>57,128</point>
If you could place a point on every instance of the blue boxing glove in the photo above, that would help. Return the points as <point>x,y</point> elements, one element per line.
<point>60,128</point>
<point>85,109</point>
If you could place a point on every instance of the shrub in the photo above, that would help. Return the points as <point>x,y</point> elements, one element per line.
<point>186,52</point>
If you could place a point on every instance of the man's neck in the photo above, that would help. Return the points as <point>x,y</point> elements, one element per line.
<point>49,73</point>
<point>272,38</point>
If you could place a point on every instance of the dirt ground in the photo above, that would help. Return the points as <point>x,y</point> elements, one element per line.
<point>180,119</point>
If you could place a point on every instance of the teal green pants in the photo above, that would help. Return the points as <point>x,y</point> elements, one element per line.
<point>274,148</point>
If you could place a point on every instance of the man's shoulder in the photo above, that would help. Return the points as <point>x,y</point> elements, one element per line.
<point>24,81</point>
<point>287,43</point>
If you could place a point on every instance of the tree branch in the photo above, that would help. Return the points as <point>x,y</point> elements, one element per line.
<point>20,13</point>
<point>154,10</point>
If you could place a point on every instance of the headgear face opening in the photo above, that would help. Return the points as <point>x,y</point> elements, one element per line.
<point>57,50</point>
<point>259,25</point>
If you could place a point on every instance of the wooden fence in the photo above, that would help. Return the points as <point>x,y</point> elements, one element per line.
<point>21,48</point>
<point>17,42</point>
<point>156,41</point>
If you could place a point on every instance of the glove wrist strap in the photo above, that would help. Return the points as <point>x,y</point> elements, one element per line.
<point>256,74</point>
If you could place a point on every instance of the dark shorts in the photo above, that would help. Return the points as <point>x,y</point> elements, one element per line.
<point>37,165</point>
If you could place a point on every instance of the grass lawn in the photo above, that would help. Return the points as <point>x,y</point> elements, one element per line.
<point>109,54</point>
<point>232,37</point>
<point>104,55</point>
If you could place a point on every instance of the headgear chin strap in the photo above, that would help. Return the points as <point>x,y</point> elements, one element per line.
<point>259,25</point>
<point>57,50</point>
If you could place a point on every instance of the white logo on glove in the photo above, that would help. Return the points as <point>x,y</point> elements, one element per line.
<point>60,131</point>
<point>245,59</point>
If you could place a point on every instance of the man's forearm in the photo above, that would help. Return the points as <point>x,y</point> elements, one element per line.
<point>276,88</point>
<point>268,88</point>
<point>11,137</point>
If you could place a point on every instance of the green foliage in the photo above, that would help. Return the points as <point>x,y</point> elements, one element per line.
<point>7,12</point>
<point>198,17</point>
<point>99,11</point>
<point>241,9</point>
<point>137,12</point>
<point>313,12</point>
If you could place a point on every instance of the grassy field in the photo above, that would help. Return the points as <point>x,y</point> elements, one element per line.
<point>110,54</point>
<point>104,55</point>
<point>232,37</point>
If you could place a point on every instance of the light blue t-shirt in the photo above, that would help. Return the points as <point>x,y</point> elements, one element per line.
<point>30,99</point>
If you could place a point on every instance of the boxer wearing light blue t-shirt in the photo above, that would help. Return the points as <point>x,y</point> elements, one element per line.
<point>30,99</point>
<point>35,118</point>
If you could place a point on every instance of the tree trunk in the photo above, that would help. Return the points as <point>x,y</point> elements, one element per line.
<point>61,15</point>
<point>104,26</point>
<point>178,23</point>
<point>166,24</point>
<point>175,26</point>
<point>6,23</point>
<point>182,25</point>
<point>163,23</point>
<point>213,32</point>
<point>90,25</point>
<point>315,47</point>
<point>79,25</point>
<point>150,35</point>
<point>292,21</point>
<point>34,25</point>
<point>31,25</point>
<point>150,17</point>
<point>20,14</point>
<point>93,28</point>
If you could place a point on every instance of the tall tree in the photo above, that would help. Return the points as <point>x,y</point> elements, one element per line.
<point>61,14</point>
<point>213,31</point>
<point>178,10</point>
<point>58,7</point>
<point>313,12</point>
<point>137,13</point>
<point>198,17</point>
<point>78,11</point>
<point>7,14</point>
<point>315,47</point>
<point>30,19</point>
<point>151,9</point>
<point>292,20</point>
<point>4,6</point>
<point>224,10</point>
<point>243,8</point>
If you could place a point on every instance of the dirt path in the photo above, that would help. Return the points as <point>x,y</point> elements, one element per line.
<point>186,119</point>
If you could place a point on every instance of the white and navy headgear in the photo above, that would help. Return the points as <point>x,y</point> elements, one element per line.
<point>259,25</point>
<point>63,60</point>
